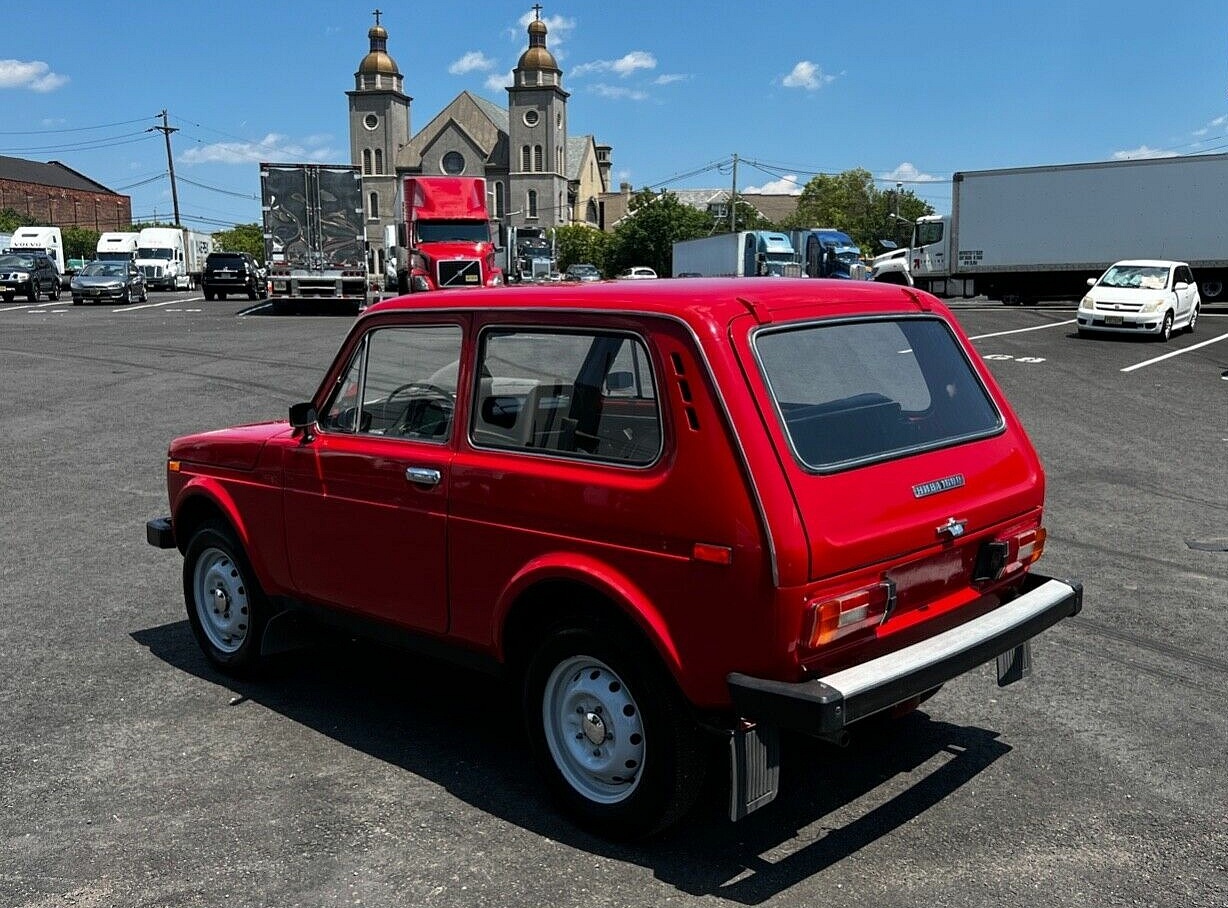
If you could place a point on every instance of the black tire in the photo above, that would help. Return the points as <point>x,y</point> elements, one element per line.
<point>9,297</point>
<point>76,301</point>
<point>226,607</point>
<point>126,299</point>
<point>1212,290</point>
<point>252,292</point>
<point>32,294</point>
<point>1193,320</point>
<point>54,293</point>
<point>582,667</point>
<point>210,295</point>
<point>144,294</point>
<point>221,294</point>
<point>1166,327</point>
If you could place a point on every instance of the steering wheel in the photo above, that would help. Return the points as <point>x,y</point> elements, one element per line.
<point>422,390</point>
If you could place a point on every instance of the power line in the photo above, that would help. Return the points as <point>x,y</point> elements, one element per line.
<point>87,145</point>
<point>43,132</point>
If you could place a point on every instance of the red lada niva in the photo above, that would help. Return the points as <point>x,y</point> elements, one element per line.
<point>668,511</point>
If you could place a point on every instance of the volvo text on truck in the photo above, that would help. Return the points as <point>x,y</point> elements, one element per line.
<point>315,241</point>
<point>1035,232</point>
<point>443,235</point>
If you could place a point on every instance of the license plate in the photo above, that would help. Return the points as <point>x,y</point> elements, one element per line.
<point>1112,319</point>
<point>96,292</point>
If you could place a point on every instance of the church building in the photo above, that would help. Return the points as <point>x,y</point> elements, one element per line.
<point>536,173</point>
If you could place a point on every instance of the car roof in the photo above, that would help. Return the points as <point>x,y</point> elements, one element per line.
<point>701,302</point>
<point>1149,263</point>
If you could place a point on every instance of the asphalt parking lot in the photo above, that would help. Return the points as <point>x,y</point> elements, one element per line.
<point>134,775</point>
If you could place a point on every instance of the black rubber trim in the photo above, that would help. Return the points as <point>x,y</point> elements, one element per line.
<point>819,708</point>
<point>160,532</point>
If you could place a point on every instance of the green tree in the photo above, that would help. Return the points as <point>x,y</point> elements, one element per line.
<point>647,235</point>
<point>579,243</point>
<point>850,201</point>
<point>80,242</point>
<point>11,219</point>
<point>242,238</point>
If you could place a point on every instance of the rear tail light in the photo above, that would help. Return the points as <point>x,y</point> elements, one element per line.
<point>1001,558</point>
<point>831,619</point>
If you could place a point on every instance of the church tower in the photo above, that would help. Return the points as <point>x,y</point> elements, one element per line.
<point>537,136</point>
<point>379,127</point>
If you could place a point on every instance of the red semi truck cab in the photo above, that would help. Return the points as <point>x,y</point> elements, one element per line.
<point>444,235</point>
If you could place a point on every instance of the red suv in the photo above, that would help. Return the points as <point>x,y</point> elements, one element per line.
<point>674,514</point>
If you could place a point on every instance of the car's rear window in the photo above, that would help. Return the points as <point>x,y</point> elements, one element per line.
<point>853,392</point>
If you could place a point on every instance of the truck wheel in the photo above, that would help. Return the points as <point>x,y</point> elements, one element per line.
<point>611,733</point>
<point>1212,290</point>
<point>1166,327</point>
<point>226,608</point>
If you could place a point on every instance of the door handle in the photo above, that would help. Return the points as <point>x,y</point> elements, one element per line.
<point>423,476</point>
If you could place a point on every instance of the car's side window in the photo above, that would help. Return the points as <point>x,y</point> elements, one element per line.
<point>401,383</point>
<point>588,395</point>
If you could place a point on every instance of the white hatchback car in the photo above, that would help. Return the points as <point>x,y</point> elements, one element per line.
<point>638,273</point>
<point>1144,296</point>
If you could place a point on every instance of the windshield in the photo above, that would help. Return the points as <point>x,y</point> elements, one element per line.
<point>582,269</point>
<point>146,252</point>
<point>114,257</point>
<point>1141,277</point>
<point>851,392</point>
<point>16,261</point>
<point>928,232</point>
<point>104,269</point>
<point>453,231</point>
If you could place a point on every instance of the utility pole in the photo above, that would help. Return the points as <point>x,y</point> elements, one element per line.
<point>166,129</point>
<point>733,198</point>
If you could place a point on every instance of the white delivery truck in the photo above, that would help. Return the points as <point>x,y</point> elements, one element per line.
<point>42,239</point>
<point>117,247</point>
<point>172,258</point>
<point>742,254</point>
<point>1032,232</point>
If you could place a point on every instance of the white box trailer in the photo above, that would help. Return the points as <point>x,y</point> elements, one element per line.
<point>742,254</point>
<point>1032,232</point>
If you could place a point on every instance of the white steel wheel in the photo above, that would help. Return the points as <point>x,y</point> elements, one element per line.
<point>220,597</point>
<point>593,729</point>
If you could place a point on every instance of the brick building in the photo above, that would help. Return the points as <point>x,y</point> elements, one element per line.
<point>54,194</point>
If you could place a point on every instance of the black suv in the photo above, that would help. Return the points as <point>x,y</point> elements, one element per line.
<point>28,273</point>
<point>232,272</point>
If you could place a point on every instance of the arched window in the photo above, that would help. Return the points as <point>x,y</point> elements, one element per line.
<point>591,212</point>
<point>366,161</point>
<point>532,204</point>
<point>525,160</point>
<point>374,197</point>
<point>561,213</point>
<point>379,160</point>
<point>537,158</point>
<point>559,164</point>
<point>499,201</point>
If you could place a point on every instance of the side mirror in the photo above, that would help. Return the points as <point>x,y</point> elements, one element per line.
<point>619,381</point>
<point>1181,285</point>
<point>303,416</point>
<point>1091,282</point>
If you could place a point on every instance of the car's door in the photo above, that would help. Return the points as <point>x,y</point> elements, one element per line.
<point>366,500</point>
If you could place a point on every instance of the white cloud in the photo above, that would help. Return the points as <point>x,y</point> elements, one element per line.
<point>272,147</point>
<point>1143,151</point>
<point>907,173</point>
<point>624,66</point>
<point>499,81</point>
<point>670,78</point>
<point>807,75</point>
<point>34,75</point>
<point>471,61</point>
<point>53,121</point>
<point>786,185</point>
<point>618,92</point>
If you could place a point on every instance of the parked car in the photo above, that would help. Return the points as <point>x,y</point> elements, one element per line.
<point>637,273</point>
<point>584,273</point>
<point>29,274</point>
<point>678,522</point>
<point>233,272</point>
<point>1146,296</point>
<point>102,282</point>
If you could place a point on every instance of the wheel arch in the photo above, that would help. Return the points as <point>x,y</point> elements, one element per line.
<point>551,590</point>
<point>201,501</point>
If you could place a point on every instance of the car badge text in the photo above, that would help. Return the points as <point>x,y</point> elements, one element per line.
<point>938,485</point>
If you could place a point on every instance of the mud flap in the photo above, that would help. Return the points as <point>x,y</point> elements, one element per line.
<point>1015,664</point>
<point>754,768</point>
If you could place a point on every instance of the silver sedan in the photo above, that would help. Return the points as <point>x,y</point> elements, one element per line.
<point>101,282</point>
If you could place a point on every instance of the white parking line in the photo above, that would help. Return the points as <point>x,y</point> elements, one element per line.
<point>193,299</point>
<point>1021,330</point>
<point>31,306</point>
<point>1148,362</point>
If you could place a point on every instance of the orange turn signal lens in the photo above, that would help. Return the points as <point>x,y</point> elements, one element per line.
<point>831,619</point>
<point>172,466</point>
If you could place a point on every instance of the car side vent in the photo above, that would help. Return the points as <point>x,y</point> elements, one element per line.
<point>677,361</point>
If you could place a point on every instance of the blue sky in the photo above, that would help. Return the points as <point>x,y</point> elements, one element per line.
<point>911,91</point>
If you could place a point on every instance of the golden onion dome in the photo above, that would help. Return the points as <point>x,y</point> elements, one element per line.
<point>536,56</point>
<point>377,62</point>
